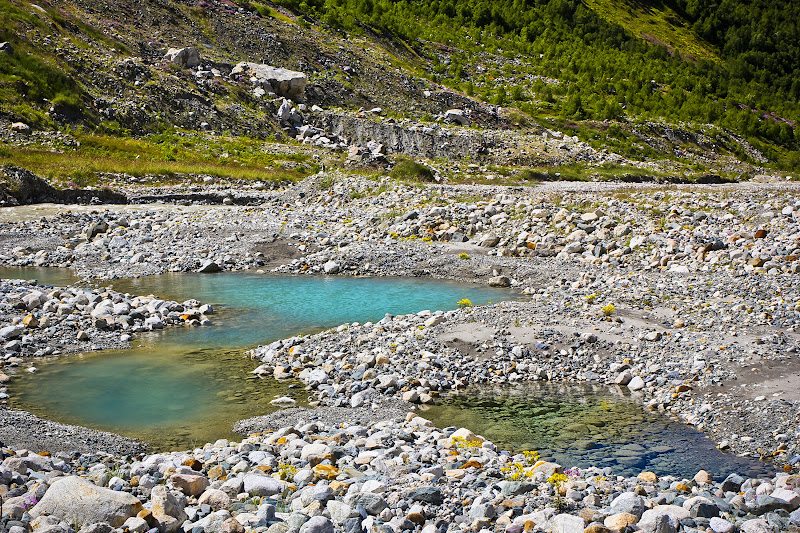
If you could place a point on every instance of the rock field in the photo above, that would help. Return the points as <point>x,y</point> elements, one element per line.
<point>686,295</point>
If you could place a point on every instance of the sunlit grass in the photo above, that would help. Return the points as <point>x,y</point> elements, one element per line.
<point>166,155</point>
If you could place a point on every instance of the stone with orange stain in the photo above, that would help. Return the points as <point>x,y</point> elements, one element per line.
<point>217,472</point>
<point>325,471</point>
<point>193,463</point>
<point>620,521</point>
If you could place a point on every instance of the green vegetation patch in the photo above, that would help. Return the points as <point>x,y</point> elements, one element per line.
<point>656,22</point>
<point>161,155</point>
<point>406,168</point>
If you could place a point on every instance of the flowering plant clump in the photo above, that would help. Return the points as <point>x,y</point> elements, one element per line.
<point>573,472</point>
<point>464,303</point>
<point>29,502</point>
<point>462,444</point>
<point>531,455</point>
<point>608,309</point>
<point>286,471</point>
<point>514,472</point>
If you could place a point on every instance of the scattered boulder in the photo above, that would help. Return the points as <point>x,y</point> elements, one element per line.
<point>456,116</point>
<point>331,267</point>
<point>260,485</point>
<point>183,57</point>
<point>209,267</point>
<point>500,281</point>
<point>283,82</point>
<point>78,501</point>
<point>20,127</point>
<point>6,47</point>
<point>190,485</point>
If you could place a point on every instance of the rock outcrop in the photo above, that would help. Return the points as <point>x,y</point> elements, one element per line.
<point>19,186</point>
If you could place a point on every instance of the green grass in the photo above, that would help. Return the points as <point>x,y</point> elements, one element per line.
<point>657,23</point>
<point>406,168</point>
<point>160,155</point>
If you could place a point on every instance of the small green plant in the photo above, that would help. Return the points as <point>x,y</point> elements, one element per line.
<point>608,309</point>
<point>463,255</point>
<point>463,303</point>
<point>286,471</point>
<point>406,168</point>
<point>282,505</point>
<point>462,444</point>
<point>326,182</point>
<point>532,456</point>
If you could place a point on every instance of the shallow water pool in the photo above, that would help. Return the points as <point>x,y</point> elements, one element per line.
<point>184,386</point>
<point>589,425</point>
<point>56,277</point>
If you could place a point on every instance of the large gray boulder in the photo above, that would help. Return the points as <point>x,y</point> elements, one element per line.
<point>183,57</point>
<point>287,83</point>
<point>260,485</point>
<point>77,501</point>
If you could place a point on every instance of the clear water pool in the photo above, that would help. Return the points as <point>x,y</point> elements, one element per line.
<point>185,386</point>
<point>589,425</point>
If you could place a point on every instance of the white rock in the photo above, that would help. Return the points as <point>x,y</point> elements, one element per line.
<point>331,267</point>
<point>260,485</point>
<point>565,523</point>
<point>283,401</point>
<point>183,57</point>
<point>636,383</point>
<point>77,501</point>
<point>284,82</point>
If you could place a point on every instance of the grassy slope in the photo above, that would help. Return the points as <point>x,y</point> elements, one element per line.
<point>656,22</point>
<point>650,19</point>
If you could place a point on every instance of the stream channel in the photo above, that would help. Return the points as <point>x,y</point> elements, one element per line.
<point>182,387</point>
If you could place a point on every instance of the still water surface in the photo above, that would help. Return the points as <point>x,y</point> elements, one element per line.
<point>589,425</point>
<point>184,386</point>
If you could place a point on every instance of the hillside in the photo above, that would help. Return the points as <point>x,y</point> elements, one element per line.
<point>642,79</point>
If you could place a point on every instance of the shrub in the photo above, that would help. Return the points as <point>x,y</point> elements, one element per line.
<point>406,168</point>
<point>463,303</point>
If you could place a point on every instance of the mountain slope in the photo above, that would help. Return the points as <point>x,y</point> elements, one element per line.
<point>100,64</point>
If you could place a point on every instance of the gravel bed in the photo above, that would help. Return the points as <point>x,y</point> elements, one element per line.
<point>687,296</point>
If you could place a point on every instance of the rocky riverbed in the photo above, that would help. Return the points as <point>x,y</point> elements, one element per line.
<point>686,295</point>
